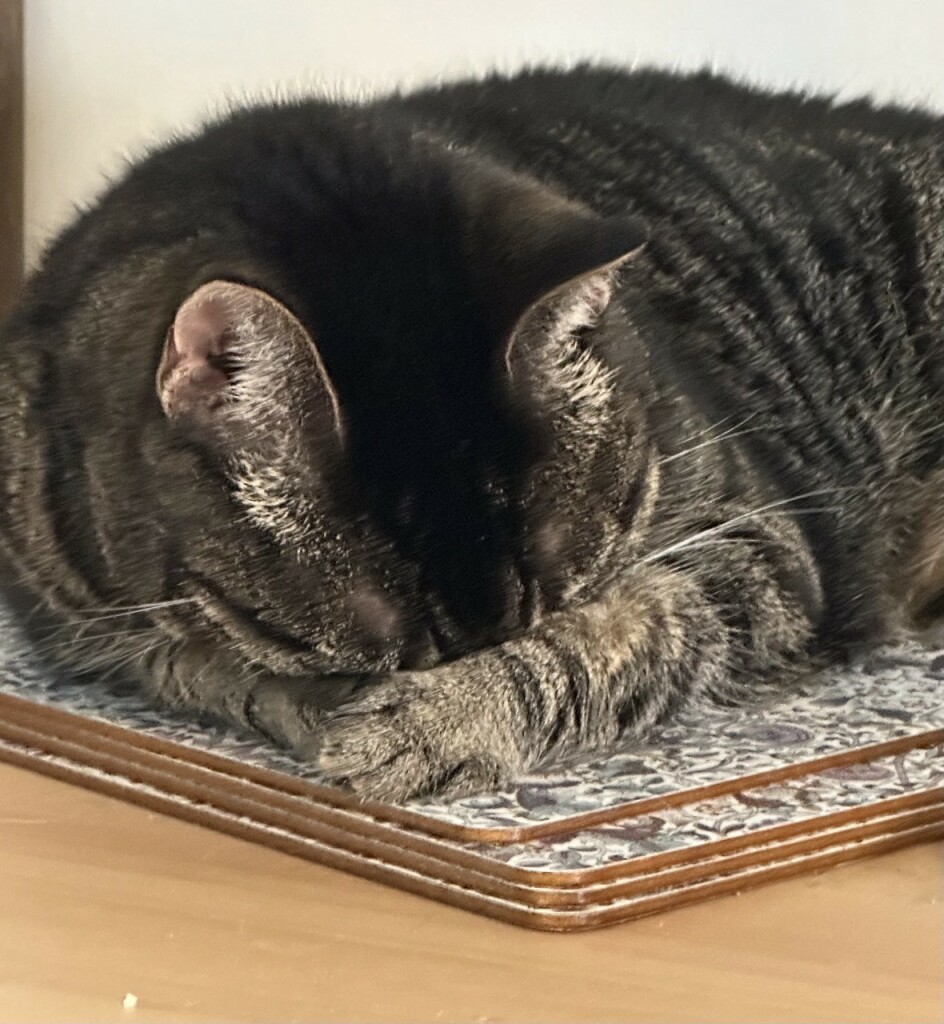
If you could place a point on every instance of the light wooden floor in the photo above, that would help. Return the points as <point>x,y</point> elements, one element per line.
<point>99,898</point>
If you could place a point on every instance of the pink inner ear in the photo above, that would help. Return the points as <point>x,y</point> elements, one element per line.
<point>203,321</point>
<point>225,326</point>
<point>190,378</point>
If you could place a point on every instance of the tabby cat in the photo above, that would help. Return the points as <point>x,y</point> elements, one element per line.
<point>441,435</point>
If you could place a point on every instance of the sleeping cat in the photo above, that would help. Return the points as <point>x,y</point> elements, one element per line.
<point>442,435</point>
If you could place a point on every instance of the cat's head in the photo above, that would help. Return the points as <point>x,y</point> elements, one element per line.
<point>376,436</point>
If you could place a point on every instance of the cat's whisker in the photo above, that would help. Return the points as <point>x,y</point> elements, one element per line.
<point>138,654</point>
<point>715,426</point>
<point>130,609</point>
<point>727,436</point>
<point>763,510</point>
<point>83,620</point>
<point>719,423</point>
<point>95,638</point>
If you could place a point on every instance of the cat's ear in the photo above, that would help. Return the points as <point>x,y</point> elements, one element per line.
<point>561,314</point>
<point>534,243</point>
<point>233,356</point>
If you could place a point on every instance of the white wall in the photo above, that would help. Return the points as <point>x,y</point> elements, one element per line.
<point>103,77</point>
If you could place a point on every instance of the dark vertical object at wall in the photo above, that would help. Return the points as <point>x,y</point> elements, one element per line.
<point>11,152</point>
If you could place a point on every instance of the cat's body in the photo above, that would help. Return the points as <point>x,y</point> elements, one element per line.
<point>505,415</point>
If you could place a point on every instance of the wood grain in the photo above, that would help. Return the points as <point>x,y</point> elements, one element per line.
<point>100,898</point>
<point>11,152</point>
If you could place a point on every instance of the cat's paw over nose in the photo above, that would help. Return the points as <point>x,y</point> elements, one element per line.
<point>404,739</point>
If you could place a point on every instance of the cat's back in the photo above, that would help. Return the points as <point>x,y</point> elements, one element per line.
<point>514,112</point>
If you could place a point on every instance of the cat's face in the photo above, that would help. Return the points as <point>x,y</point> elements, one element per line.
<point>313,558</point>
<point>379,442</point>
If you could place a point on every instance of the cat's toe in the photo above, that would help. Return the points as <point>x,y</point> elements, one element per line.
<point>410,773</point>
<point>393,748</point>
<point>376,759</point>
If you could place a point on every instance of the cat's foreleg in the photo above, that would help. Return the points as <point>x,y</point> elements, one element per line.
<point>574,683</point>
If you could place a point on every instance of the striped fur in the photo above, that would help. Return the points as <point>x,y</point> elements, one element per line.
<point>566,481</point>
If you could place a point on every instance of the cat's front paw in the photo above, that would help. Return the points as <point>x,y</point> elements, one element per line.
<point>416,734</point>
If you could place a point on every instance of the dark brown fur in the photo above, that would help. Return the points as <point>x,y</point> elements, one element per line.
<point>447,434</point>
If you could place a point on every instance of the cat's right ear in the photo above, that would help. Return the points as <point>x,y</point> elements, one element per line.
<point>235,359</point>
